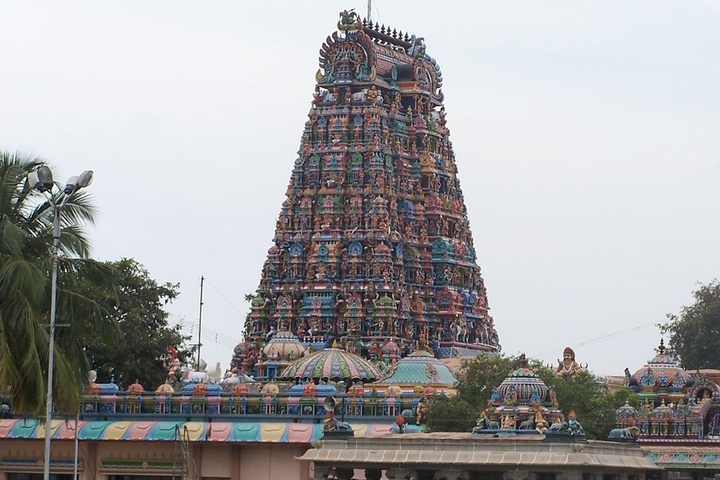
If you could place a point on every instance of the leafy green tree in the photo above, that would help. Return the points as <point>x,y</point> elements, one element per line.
<point>591,401</point>
<point>136,306</point>
<point>26,218</point>
<point>695,332</point>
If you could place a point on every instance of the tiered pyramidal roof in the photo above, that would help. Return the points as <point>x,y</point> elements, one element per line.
<point>373,240</point>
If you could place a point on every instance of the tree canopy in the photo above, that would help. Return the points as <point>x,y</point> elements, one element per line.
<point>136,306</point>
<point>593,404</point>
<point>695,331</point>
<point>26,220</point>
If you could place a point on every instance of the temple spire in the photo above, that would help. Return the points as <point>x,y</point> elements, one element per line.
<point>373,240</point>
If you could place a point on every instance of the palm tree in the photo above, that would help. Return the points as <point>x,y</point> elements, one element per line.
<point>25,264</point>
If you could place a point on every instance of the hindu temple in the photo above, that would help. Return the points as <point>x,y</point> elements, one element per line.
<point>370,284</point>
<point>373,239</point>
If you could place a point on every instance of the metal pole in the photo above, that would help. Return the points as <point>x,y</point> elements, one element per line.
<point>77,445</point>
<point>51,349</point>
<point>199,344</point>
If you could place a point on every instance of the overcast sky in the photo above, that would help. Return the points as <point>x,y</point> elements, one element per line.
<point>587,138</point>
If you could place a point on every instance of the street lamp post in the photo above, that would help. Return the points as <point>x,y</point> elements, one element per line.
<point>42,180</point>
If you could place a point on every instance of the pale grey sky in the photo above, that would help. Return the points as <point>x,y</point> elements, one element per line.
<point>586,137</point>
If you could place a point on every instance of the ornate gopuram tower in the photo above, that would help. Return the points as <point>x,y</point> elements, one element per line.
<point>373,245</point>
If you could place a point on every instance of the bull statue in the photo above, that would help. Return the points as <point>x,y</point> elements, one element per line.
<point>359,96</point>
<point>629,433</point>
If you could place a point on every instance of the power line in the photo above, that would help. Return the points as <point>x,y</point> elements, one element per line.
<point>224,298</point>
<point>208,333</point>
<point>604,337</point>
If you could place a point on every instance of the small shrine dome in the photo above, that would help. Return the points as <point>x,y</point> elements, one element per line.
<point>284,346</point>
<point>382,249</point>
<point>627,411</point>
<point>662,372</point>
<point>420,368</point>
<point>165,389</point>
<point>332,364</point>
<point>240,390</point>
<point>136,388</point>
<point>391,350</point>
<point>524,385</point>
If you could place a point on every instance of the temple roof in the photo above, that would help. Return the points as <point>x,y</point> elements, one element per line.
<point>284,346</point>
<point>663,371</point>
<point>523,386</point>
<point>332,364</point>
<point>420,368</point>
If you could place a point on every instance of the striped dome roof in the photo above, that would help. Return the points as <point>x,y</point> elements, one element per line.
<point>333,364</point>
<point>284,346</point>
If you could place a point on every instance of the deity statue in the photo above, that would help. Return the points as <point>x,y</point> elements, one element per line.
<point>574,426</point>
<point>567,367</point>
<point>421,410</point>
<point>508,422</point>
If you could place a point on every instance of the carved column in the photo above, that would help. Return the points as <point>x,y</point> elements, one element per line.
<point>373,474</point>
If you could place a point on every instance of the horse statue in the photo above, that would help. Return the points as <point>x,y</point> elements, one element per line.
<point>484,423</point>
<point>557,426</point>
<point>528,424</point>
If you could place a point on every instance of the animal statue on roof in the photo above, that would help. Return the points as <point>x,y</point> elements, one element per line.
<point>484,423</point>
<point>528,424</point>
<point>557,426</point>
<point>195,376</point>
<point>629,433</point>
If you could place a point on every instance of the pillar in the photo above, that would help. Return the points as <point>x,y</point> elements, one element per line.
<point>373,474</point>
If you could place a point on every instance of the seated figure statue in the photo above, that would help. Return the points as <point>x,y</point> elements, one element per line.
<point>567,367</point>
<point>574,427</point>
